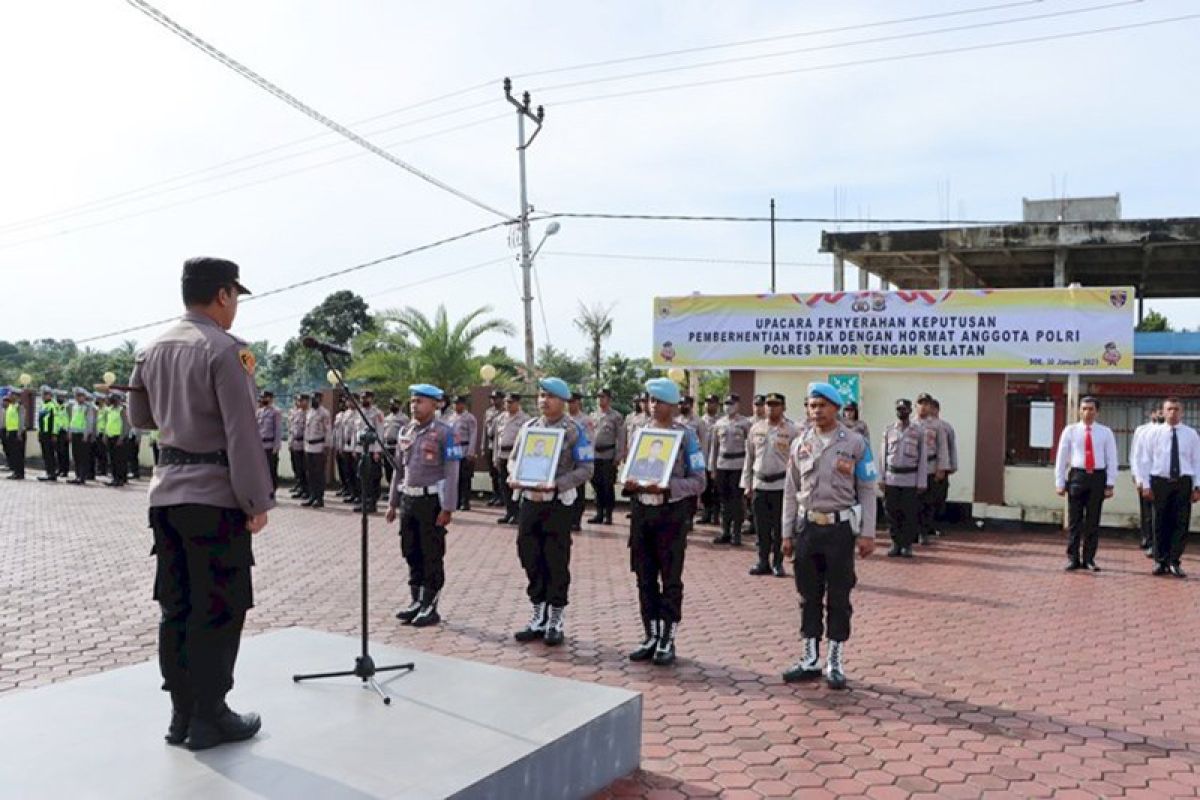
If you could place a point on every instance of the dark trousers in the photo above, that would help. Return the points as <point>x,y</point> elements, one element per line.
<point>81,454</point>
<point>511,507</point>
<point>930,503</point>
<point>14,451</point>
<point>133,457</point>
<point>203,586</point>
<point>466,474</point>
<point>314,474</point>
<point>118,454</point>
<point>577,507</point>
<point>423,542</point>
<point>604,478</point>
<point>903,505</point>
<point>732,500</point>
<point>388,470</point>
<point>300,469</point>
<point>347,469</point>
<point>709,499</point>
<point>1172,516</point>
<point>273,464</point>
<point>824,577</point>
<point>99,456</point>
<point>1085,496</point>
<point>1146,521</point>
<point>64,453</point>
<point>489,458</point>
<point>49,445</point>
<point>657,545</point>
<point>544,547</point>
<point>767,507</point>
<point>370,472</point>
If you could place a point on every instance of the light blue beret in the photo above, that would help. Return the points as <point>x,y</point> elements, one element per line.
<point>555,386</point>
<point>825,391</point>
<point>664,390</point>
<point>425,390</point>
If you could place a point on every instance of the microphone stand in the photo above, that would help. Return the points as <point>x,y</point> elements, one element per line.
<point>364,666</point>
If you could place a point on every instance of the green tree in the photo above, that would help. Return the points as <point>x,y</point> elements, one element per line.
<point>1154,322</point>
<point>560,364</point>
<point>338,319</point>
<point>713,382</point>
<point>626,377</point>
<point>596,323</point>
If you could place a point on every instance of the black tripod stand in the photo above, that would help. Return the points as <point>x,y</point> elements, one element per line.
<point>364,665</point>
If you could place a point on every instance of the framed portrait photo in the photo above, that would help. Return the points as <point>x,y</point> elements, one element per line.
<point>537,456</point>
<point>651,457</point>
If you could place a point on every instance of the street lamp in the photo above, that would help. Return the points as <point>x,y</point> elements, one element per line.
<point>487,372</point>
<point>551,229</point>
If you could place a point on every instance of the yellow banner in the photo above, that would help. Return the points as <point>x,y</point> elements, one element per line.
<point>1085,329</point>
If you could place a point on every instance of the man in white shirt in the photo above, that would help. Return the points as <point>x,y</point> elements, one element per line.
<point>1145,507</point>
<point>1085,471</point>
<point>1169,457</point>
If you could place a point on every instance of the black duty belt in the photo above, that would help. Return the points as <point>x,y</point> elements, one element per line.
<point>605,448</point>
<point>931,458</point>
<point>315,441</point>
<point>270,439</point>
<point>902,470</point>
<point>505,450</point>
<point>173,455</point>
<point>734,455</point>
<point>775,476</point>
<point>391,442</point>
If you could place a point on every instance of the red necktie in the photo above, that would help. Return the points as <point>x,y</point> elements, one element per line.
<point>1089,452</point>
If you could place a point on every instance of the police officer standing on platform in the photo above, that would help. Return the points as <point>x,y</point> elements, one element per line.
<point>508,428</point>
<point>210,492</point>
<point>424,494</point>
<point>767,451</point>
<point>727,455</point>
<point>905,476</point>
<point>466,436</point>
<point>658,531</point>
<point>296,422</point>
<point>709,501</point>
<point>609,443</point>
<point>488,444</point>
<point>317,430</point>
<point>544,535</point>
<point>828,512</point>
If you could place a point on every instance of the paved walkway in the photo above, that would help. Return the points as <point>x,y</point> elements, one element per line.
<point>978,669</point>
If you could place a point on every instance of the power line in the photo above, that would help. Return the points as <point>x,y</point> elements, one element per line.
<point>877,60</point>
<point>109,200</point>
<point>316,279</point>
<point>295,103</point>
<point>730,218</point>
<point>685,259</point>
<point>838,45</point>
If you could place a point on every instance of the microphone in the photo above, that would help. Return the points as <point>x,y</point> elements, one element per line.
<point>324,347</point>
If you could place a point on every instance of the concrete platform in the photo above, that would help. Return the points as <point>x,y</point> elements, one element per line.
<point>454,729</point>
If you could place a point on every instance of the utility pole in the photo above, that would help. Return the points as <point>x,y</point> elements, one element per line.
<point>524,112</point>
<point>772,245</point>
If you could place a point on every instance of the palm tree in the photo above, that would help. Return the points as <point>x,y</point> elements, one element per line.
<point>596,323</point>
<point>409,347</point>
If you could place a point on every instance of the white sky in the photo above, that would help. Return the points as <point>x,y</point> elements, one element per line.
<point>99,100</point>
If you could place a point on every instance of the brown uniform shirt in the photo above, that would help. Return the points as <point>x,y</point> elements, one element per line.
<point>195,385</point>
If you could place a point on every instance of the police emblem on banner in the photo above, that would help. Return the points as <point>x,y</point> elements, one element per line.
<point>1118,298</point>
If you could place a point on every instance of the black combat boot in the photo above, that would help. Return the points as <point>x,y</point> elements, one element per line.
<point>809,665</point>
<point>664,655</point>
<point>646,649</point>
<point>761,568</point>
<point>428,615</point>
<point>835,675</point>
<point>536,627</point>
<point>226,726</point>
<point>407,615</point>
<point>555,622</point>
<point>181,717</point>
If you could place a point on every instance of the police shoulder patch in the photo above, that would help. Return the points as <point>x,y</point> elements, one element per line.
<point>247,359</point>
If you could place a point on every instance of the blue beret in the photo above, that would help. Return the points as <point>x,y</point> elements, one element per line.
<point>555,386</point>
<point>664,390</point>
<point>826,392</point>
<point>425,390</point>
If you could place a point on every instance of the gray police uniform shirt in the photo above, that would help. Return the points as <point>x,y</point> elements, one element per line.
<point>688,477</point>
<point>903,451</point>
<point>699,427</point>
<point>392,424</point>
<point>508,428</point>
<point>270,427</point>
<point>377,422</point>
<point>633,421</point>
<point>951,445</point>
<point>426,456</point>
<point>194,384</point>
<point>489,429</point>
<point>767,451</point>
<point>466,433</point>
<point>859,427</point>
<point>318,430</point>
<point>830,477</point>
<point>937,445</point>
<point>574,467</point>
<point>727,448</point>
<point>296,418</point>
<point>609,435</point>
<point>710,422</point>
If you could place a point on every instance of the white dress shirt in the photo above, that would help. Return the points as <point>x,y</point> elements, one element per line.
<point>1072,452</point>
<point>1154,452</point>
<point>1135,449</point>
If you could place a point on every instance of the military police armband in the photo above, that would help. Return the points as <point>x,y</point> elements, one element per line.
<point>583,452</point>
<point>450,450</point>
<point>865,469</point>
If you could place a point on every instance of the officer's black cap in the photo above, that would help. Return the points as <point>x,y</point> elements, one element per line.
<point>513,397</point>
<point>461,398</point>
<point>368,393</point>
<point>775,397</point>
<point>302,396</point>
<point>206,271</point>
<point>496,393</point>
<point>605,392</point>
<point>576,396</point>
<point>733,398</point>
<point>904,402</point>
<point>924,397</point>
<point>686,400</point>
<point>268,393</point>
<point>851,404</point>
<point>759,399</point>
<point>316,395</point>
<point>712,398</point>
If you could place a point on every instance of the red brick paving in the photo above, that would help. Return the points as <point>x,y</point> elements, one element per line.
<point>978,669</point>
